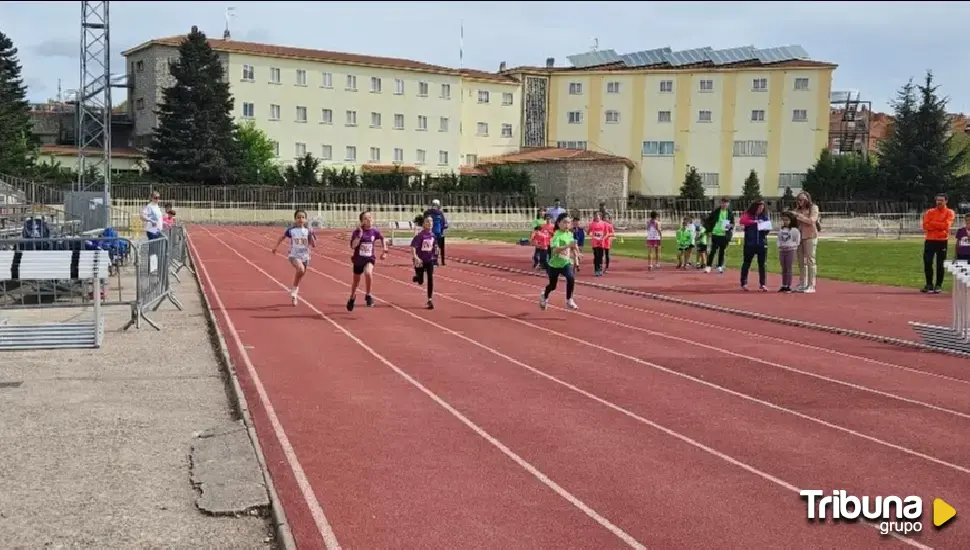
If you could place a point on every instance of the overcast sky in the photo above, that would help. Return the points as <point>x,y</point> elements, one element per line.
<point>877,46</point>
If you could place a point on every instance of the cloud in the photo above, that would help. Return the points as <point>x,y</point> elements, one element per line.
<point>57,47</point>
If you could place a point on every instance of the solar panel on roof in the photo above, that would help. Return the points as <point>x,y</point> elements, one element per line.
<point>782,53</point>
<point>733,55</point>
<point>590,59</point>
<point>687,57</point>
<point>645,58</point>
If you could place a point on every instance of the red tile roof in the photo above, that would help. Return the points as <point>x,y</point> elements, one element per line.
<point>553,154</point>
<point>69,151</point>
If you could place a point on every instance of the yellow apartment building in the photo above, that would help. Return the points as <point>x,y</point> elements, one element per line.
<point>347,110</point>
<point>723,112</point>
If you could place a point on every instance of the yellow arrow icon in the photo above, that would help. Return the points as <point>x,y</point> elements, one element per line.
<point>942,512</point>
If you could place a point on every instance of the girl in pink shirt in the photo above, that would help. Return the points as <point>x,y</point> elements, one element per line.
<point>597,237</point>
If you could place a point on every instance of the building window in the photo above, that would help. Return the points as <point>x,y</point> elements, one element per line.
<point>482,129</point>
<point>420,156</point>
<point>575,117</point>
<point>326,116</point>
<point>506,130</point>
<point>664,116</point>
<point>375,154</point>
<point>471,160</point>
<point>443,158</point>
<point>757,115</point>
<point>482,96</point>
<point>751,148</point>
<point>703,116</point>
<point>249,110</point>
<point>398,155</point>
<point>300,150</point>
<point>300,77</point>
<point>575,88</point>
<point>274,75</point>
<point>612,87</point>
<point>423,89</point>
<point>507,98</point>
<point>375,120</point>
<point>351,83</point>
<point>141,66</point>
<point>422,122</point>
<point>658,149</point>
<point>398,121</point>
<point>351,118</point>
<point>710,181</point>
<point>791,181</point>
<point>446,91</point>
<point>301,114</point>
<point>274,112</point>
<point>351,153</point>
<point>799,115</point>
<point>759,85</point>
<point>666,86</point>
<point>375,85</point>
<point>612,117</point>
<point>571,145</point>
<point>706,85</point>
<point>443,124</point>
<point>327,80</point>
<point>801,84</point>
<point>248,73</point>
<point>326,152</point>
<point>276,147</point>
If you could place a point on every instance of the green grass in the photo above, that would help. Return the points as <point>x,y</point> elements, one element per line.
<point>885,262</point>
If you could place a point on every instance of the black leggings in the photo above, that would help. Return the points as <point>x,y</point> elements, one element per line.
<point>441,249</point>
<point>597,258</point>
<point>606,257</point>
<point>427,268</point>
<point>934,250</point>
<point>554,273</point>
<point>750,253</point>
<point>719,244</point>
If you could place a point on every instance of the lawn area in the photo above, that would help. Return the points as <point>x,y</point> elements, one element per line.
<point>887,262</point>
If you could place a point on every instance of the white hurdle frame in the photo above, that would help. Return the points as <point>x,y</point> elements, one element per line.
<point>955,337</point>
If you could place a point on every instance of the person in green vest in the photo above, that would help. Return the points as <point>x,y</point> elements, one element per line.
<point>561,261</point>
<point>720,226</point>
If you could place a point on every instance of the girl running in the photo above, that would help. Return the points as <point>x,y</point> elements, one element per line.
<point>564,251</point>
<point>597,235</point>
<point>362,242</point>
<point>607,244</point>
<point>540,240</point>
<point>654,237</point>
<point>301,239</point>
<point>424,249</point>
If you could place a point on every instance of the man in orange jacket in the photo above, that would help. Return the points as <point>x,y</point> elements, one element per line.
<point>936,224</point>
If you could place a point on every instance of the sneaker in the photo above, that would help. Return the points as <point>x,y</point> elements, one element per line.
<point>707,269</point>
<point>926,289</point>
<point>720,269</point>
<point>571,304</point>
<point>293,298</point>
<point>430,304</point>
<point>809,290</point>
<point>415,280</point>
<point>763,288</point>
<point>937,289</point>
<point>369,300</point>
<point>784,289</point>
<point>543,302</point>
<point>744,288</point>
<point>350,304</point>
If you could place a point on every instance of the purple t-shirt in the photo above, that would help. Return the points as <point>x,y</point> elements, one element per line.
<point>423,245</point>
<point>366,248</point>
<point>963,242</point>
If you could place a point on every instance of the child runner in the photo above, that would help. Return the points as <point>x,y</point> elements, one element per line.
<point>580,235</point>
<point>424,248</point>
<point>963,240</point>
<point>301,239</point>
<point>700,241</point>
<point>362,242</point>
<point>549,228</point>
<point>540,240</point>
<point>788,240</point>
<point>564,250</point>
<point>685,243</point>
<point>654,236</point>
<point>597,234</point>
<point>540,219</point>
<point>607,244</point>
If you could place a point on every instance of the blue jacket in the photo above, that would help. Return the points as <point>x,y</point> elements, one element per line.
<point>438,220</point>
<point>752,237</point>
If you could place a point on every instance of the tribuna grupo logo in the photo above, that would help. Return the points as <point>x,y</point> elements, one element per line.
<point>894,514</point>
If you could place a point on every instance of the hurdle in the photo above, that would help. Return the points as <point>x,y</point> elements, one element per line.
<point>401,226</point>
<point>20,266</point>
<point>956,337</point>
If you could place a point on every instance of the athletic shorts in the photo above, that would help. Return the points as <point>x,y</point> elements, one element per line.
<point>306,261</point>
<point>360,264</point>
<point>702,248</point>
<point>653,243</point>
<point>684,248</point>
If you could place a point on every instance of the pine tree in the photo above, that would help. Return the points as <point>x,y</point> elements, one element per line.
<point>18,145</point>
<point>752,189</point>
<point>693,187</point>
<point>196,139</point>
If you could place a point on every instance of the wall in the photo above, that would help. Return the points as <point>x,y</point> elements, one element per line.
<point>577,184</point>
<point>494,114</point>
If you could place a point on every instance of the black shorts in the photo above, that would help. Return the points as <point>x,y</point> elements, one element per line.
<point>687,248</point>
<point>702,248</point>
<point>360,265</point>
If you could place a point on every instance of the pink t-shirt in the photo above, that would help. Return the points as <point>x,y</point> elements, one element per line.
<point>597,233</point>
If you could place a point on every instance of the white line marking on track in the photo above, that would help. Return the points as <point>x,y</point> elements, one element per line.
<point>544,479</point>
<point>686,439</point>
<point>316,510</point>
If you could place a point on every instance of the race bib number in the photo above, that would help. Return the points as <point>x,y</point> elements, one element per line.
<point>964,242</point>
<point>301,241</point>
<point>565,254</point>
<point>427,245</point>
<point>366,250</point>
<point>597,235</point>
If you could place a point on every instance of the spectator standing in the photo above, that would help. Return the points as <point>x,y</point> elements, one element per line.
<point>806,212</point>
<point>151,217</point>
<point>439,224</point>
<point>604,213</point>
<point>963,239</point>
<point>755,244</point>
<point>720,226</point>
<point>556,210</point>
<point>937,222</point>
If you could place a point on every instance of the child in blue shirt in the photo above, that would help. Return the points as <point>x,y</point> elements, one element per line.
<point>579,233</point>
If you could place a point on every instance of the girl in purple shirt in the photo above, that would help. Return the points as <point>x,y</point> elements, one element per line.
<point>362,242</point>
<point>424,249</point>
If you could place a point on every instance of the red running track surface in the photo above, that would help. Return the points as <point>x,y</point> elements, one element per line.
<point>876,309</point>
<point>488,423</point>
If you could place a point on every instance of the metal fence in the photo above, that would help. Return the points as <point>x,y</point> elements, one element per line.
<point>152,281</point>
<point>956,337</point>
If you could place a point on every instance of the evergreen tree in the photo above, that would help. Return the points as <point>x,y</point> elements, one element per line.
<point>752,189</point>
<point>18,145</point>
<point>693,187</point>
<point>196,139</point>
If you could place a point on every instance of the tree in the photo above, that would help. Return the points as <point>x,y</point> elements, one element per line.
<point>752,189</point>
<point>304,173</point>
<point>18,145</point>
<point>693,187</point>
<point>844,178</point>
<point>259,156</point>
<point>196,138</point>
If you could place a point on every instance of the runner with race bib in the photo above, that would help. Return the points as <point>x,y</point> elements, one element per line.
<point>301,239</point>
<point>597,236</point>
<point>424,250</point>
<point>363,242</point>
<point>561,262</point>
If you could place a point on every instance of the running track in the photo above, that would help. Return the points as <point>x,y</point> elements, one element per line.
<point>488,423</point>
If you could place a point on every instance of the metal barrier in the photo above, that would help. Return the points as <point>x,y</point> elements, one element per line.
<point>956,337</point>
<point>178,250</point>
<point>80,267</point>
<point>152,281</point>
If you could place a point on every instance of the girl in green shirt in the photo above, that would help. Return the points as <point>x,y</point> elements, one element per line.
<point>561,261</point>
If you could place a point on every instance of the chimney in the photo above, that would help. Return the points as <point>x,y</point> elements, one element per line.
<point>550,62</point>
<point>226,35</point>
<point>195,29</point>
<point>501,66</point>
